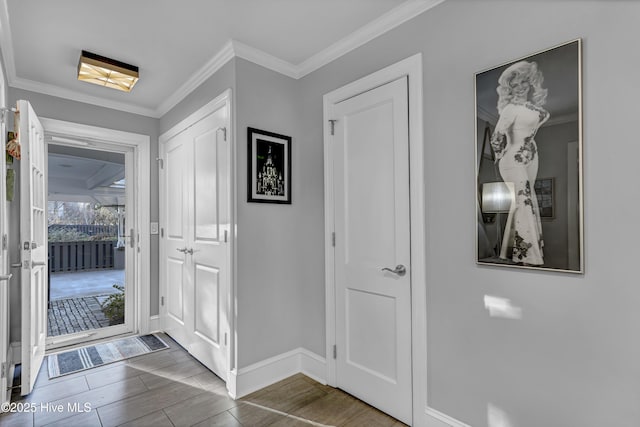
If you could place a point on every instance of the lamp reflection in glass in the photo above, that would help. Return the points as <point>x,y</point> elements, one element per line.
<point>497,198</point>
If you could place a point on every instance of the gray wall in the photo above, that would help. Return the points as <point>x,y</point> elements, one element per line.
<point>279,252</point>
<point>277,256</point>
<point>572,359</point>
<point>222,80</point>
<point>72,111</point>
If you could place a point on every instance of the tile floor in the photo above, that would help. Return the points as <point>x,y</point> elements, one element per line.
<point>170,388</point>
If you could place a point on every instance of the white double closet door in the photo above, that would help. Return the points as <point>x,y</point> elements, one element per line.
<point>195,251</point>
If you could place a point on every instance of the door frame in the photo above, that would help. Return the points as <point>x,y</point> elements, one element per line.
<point>224,100</point>
<point>411,68</point>
<point>4,255</point>
<point>141,191</point>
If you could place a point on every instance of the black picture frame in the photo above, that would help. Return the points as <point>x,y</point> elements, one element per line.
<point>268,167</point>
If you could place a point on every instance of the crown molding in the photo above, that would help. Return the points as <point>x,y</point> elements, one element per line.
<point>266,60</point>
<point>223,56</point>
<point>231,49</point>
<point>53,90</point>
<point>8,58</point>
<point>365,34</point>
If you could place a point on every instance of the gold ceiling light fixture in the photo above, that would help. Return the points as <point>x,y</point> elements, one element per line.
<point>107,72</point>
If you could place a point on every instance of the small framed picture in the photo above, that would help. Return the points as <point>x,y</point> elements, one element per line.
<point>269,167</point>
<point>544,191</point>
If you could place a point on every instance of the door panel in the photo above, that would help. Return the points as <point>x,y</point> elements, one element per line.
<point>373,307</point>
<point>176,183</point>
<point>33,242</point>
<point>207,288</point>
<point>206,187</point>
<point>175,290</point>
<point>371,320</point>
<point>366,211</point>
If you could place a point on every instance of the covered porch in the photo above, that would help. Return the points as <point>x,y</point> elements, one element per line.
<point>77,298</point>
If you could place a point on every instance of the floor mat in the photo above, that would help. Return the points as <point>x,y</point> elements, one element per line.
<point>91,356</point>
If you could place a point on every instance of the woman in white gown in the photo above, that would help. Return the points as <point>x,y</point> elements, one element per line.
<point>520,102</point>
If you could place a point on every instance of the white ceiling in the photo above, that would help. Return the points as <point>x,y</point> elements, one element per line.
<point>177,44</point>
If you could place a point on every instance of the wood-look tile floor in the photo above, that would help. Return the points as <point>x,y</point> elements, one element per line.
<point>170,388</point>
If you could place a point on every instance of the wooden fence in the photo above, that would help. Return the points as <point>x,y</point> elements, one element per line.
<point>79,256</point>
<point>91,230</point>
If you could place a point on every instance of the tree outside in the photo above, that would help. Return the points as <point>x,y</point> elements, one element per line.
<point>65,214</point>
<point>81,213</point>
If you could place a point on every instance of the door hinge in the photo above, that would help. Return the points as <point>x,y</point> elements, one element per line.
<point>225,338</point>
<point>333,239</point>
<point>132,238</point>
<point>335,351</point>
<point>5,242</point>
<point>162,301</point>
<point>162,232</point>
<point>226,238</point>
<point>3,374</point>
<point>333,126</point>
<point>160,162</point>
<point>224,132</point>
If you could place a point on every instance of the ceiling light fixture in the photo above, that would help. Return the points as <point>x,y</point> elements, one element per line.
<point>107,72</point>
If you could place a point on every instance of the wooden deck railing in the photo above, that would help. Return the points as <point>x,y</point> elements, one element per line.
<point>80,256</point>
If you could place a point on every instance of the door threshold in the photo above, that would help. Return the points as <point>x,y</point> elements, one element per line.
<point>84,343</point>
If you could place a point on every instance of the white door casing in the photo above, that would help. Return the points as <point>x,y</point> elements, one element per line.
<point>136,148</point>
<point>33,241</point>
<point>410,71</point>
<point>196,234</point>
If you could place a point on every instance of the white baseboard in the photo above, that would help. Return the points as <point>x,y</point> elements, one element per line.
<point>154,324</point>
<point>266,372</point>
<point>438,419</point>
<point>313,366</point>
<point>16,352</point>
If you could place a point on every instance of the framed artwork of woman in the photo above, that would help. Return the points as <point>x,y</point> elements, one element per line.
<point>529,125</point>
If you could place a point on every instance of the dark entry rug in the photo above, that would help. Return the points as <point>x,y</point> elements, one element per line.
<point>100,354</point>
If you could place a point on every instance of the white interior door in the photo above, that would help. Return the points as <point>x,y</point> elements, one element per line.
<point>33,241</point>
<point>195,251</point>
<point>372,248</point>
